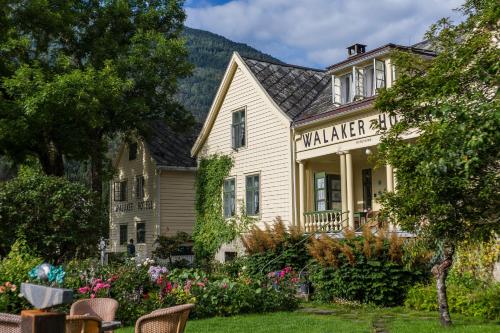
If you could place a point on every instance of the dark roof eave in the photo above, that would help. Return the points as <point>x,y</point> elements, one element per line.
<point>359,105</point>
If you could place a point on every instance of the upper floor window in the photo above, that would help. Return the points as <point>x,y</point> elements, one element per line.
<point>238,129</point>
<point>360,83</point>
<point>252,194</point>
<point>141,232</point>
<point>132,151</point>
<point>139,187</point>
<point>229,197</point>
<point>120,191</point>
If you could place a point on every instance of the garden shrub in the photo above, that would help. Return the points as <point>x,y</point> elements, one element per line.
<point>55,216</point>
<point>367,269</point>
<point>14,269</point>
<point>274,247</point>
<point>480,301</point>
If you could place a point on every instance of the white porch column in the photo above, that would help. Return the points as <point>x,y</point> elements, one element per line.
<point>390,177</point>
<point>350,188</point>
<point>343,186</point>
<point>301,193</point>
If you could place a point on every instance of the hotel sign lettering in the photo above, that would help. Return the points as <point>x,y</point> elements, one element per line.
<point>130,207</point>
<point>350,130</point>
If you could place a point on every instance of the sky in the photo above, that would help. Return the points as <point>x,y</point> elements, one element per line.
<point>316,33</point>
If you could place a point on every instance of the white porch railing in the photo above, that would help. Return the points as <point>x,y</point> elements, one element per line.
<point>326,220</point>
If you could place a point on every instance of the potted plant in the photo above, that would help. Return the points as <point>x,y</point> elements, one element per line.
<point>46,291</point>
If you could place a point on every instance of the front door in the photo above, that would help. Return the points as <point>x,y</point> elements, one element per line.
<point>367,189</point>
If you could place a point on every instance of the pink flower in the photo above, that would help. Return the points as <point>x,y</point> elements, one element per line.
<point>92,296</point>
<point>84,290</point>
<point>13,287</point>
<point>224,285</point>
<point>200,284</point>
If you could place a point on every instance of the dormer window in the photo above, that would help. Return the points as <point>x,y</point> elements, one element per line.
<point>345,89</point>
<point>361,82</point>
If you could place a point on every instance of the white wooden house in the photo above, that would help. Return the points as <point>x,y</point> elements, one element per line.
<point>300,138</point>
<point>153,191</point>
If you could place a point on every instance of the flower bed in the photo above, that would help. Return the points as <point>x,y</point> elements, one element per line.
<point>144,287</point>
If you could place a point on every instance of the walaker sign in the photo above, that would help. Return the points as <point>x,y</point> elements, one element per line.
<point>349,130</point>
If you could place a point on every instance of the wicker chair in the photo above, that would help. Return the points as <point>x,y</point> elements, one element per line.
<point>169,320</point>
<point>102,308</point>
<point>83,324</point>
<point>10,323</point>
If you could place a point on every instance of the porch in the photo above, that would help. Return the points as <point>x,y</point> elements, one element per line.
<point>340,190</point>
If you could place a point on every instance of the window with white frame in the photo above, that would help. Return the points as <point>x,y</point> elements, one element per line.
<point>238,136</point>
<point>139,187</point>
<point>229,197</point>
<point>120,190</point>
<point>360,83</point>
<point>253,194</point>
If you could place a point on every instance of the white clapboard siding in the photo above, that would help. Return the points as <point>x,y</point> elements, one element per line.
<point>267,150</point>
<point>177,195</point>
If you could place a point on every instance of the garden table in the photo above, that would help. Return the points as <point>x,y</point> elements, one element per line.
<point>110,325</point>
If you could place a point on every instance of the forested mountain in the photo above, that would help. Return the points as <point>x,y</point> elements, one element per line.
<point>210,53</point>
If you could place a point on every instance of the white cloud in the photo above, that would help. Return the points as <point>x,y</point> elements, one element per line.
<point>316,32</point>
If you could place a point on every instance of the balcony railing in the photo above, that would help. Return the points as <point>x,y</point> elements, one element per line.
<point>326,220</point>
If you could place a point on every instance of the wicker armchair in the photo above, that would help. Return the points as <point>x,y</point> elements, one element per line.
<point>10,323</point>
<point>102,308</point>
<point>83,324</point>
<point>169,320</point>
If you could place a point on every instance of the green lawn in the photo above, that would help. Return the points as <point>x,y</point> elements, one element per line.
<point>339,319</point>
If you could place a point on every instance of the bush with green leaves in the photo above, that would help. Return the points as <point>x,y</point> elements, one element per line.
<point>367,269</point>
<point>14,270</point>
<point>474,300</point>
<point>55,216</point>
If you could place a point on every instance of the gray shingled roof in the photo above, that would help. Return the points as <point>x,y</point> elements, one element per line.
<point>292,88</point>
<point>170,148</point>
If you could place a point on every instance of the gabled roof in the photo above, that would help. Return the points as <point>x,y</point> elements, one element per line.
<point>291,87</point>
<point>170,148</point>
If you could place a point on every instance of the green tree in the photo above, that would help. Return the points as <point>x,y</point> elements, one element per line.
<point>169,245</point>
<point>51,214</point>
<point>75,73</point>
<point>448,179</point>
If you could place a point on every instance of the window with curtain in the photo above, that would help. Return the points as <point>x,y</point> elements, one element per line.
<point>238,129</point>
<point>320,191</point>
<point>229,197</point>
<point>252,194</point>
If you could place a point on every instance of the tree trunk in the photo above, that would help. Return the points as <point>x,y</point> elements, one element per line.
<point>440,272</point>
